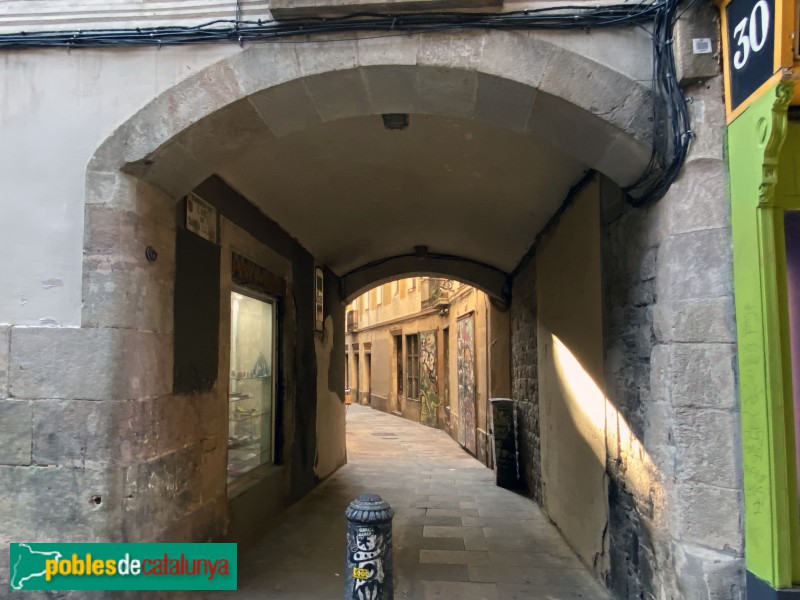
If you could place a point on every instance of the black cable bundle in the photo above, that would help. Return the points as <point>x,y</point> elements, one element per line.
<point>671,126</point>
<point>671,132</point>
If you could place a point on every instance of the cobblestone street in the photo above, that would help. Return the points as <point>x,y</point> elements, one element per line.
<point>456,535</point>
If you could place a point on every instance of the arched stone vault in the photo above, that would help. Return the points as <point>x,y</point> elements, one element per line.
<point>492,281</point>
<point>533,92</point>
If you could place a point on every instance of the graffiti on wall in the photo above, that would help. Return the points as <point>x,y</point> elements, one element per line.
<point>428,381</point>
<point>466,383</point>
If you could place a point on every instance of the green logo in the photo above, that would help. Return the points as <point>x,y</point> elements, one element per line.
<point>122,566</point>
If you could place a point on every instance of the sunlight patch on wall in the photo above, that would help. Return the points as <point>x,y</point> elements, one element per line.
<point>596,416</point>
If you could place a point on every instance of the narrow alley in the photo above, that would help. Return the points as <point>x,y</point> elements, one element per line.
<point>456,535</point>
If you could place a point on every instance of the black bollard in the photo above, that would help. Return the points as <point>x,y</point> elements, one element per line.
<point>368,562</point>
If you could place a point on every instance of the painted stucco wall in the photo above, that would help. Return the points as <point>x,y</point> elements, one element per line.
<point>571,396</point>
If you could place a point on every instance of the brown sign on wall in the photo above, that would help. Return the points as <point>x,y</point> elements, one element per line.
<point>252,275</point>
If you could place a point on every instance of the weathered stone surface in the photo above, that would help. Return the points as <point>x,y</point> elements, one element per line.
<point>707,115</point>
<point>709,446</point>
<point>170,113</point>
<point>213,461</point>
<point>711,575</point>
<point>709,516</point>
<point>589,137</point>
<point>326,53</point>
<point>5,337</point>
<point>121,288</point>
<point>177,421</point>
<point>696,320</point>
<point>15,432</point>
<point>659,438</point>
<point>258,70</point>
<point>504,103</point>
<point>660,373</point>
<point>624,171</point>
<point>4,564</point>
<point>89,364</point>
<point>114,188</point>
<point>516,56</point>
<point>87,433</point>
<point>188,477</point>
<point>447,92</point>
<point>599,91</point>
<point>171,168</point>
<point>210,520</point>
<point>286,108</point>
<point>225,135</point>
<point>391,89</point>
<point>117,294</point>
<point>125,192</point>
<point>460,50</point>
<point>59,504</point>
<point>394,50</point>
<point>339,95</point>
<point>525,378</point>
<point>148,489</point>
<point>703,375</point>
<point>697,198</point>
<point>695,265</point>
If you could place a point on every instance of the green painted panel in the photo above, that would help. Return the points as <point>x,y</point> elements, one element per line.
<point>759,280</point>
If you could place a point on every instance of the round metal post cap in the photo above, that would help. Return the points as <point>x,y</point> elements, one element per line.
<point>369,508</point>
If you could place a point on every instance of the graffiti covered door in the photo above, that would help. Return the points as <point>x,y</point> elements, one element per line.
<point>466,383</point>
<point>428,380</point>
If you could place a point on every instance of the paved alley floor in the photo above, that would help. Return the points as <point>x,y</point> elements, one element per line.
<point>456,535</point>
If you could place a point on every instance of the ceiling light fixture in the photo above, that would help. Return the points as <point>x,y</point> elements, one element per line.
<point>395,120</point>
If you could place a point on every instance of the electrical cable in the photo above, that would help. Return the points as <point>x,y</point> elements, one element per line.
<point>671,133</point>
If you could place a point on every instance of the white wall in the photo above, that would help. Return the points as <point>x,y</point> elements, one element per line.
<point>55,15</point>
<point>56,108</point>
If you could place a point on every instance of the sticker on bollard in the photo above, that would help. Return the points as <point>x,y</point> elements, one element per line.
<point>369,549</point>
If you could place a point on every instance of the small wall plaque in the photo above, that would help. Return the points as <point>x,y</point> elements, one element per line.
<point>701,46</point>
<point>201,218</point>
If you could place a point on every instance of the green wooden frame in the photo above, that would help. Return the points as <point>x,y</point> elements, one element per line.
<point>754,154</point>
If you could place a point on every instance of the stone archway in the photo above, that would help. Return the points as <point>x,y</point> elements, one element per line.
<point>533,86</point>
<point>526,86</point>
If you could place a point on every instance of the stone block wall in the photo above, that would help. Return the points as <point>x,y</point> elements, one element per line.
<point>96,446</point>
<point>628,262</point>
<point>672,418</point>
<point>99,448</point>
<point>524,377</point>
<point>669,338</point>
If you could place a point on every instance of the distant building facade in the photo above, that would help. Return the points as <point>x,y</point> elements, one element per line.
<point>417,347</point>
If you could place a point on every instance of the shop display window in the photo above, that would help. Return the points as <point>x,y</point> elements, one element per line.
<point>251,431</point>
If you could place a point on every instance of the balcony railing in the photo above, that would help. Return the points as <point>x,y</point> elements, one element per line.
<point>435,292</point>
<point>352,320</point>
